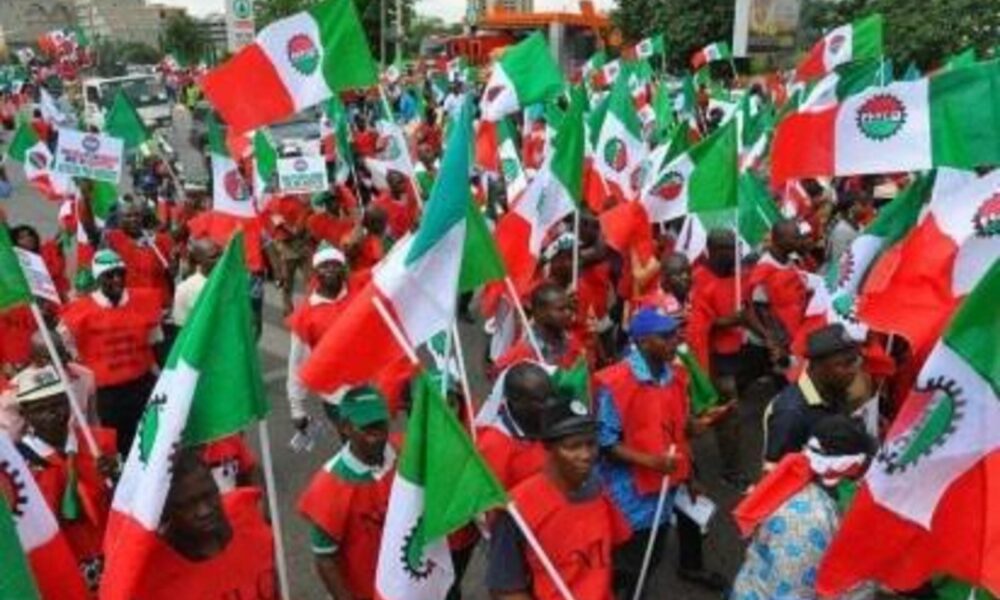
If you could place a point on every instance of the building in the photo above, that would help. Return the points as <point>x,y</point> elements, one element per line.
<point>214,28</point>
<point>481,8</point>
<point>23,21</point>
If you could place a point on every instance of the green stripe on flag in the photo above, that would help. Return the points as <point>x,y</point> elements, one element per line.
<point>898,217</point>
<point>568,148</point>
<point>532,71</point>
<point>265,155</point>
<point>451,194</point>
<point>757,210</point>
<point>965,116</point>
<point>124,122</point>
<point>573,383</point>
<point>216,135</point>
<point>439,456</point>
<point>975,329</point>
<point>714,181</point>
<point>347,58</point>
<point>14,289</point>
<point>218,342</point>
<point>481,262</point>
<point>700,389</point>
<point>16,580</point>
<point>24,140</point>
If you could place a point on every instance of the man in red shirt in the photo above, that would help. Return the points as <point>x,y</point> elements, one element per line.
<point>552,321</point>
<point>332,218</point>
<point>113,330</point>
<point>365,140</point>
<point>399,204</point>
<point>286,218</point>
<point>346,501</point>
<point>564,505</point>
<point>508,440</point>
<point>209,545</point>
<point>364,247</point>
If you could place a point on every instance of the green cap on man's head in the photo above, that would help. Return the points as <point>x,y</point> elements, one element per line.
<point>363,406</point>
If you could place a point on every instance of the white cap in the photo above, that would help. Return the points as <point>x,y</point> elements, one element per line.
<point>326,253</point>
<point>105,260</point>
<point>37,383</point>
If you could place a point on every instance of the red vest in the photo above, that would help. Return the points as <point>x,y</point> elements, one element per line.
<point>310,321</point>
<point>401,214</point>
<point>18,326</point>
<point>512,460</point>
<point>143,267</point>
<point>324,227</point>
<point>244,569</point>
<point>712,297</point>
<point>786,292</point>
<point>577,536</point>
<point>652,418</point>
<point>353,514</point>
<point>114,342</point>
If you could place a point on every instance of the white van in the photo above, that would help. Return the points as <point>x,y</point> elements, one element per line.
<point>146,93</point>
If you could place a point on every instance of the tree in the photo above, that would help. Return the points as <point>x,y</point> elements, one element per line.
<point>687,25</point>
<point>926,32</point>
<point>266,11</point>
<point>185,39</point>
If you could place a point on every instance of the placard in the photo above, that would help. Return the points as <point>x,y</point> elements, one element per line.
<point>302,174</point>
<point>37,274</point>
<point>89,155</point>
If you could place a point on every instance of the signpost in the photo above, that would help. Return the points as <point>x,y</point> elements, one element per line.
<point>239,24</point>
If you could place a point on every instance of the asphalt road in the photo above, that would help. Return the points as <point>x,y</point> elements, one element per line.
<point>723,549</point>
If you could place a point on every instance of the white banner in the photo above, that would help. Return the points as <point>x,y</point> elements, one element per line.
<point>37,275</point>
<point>89,155</point>
<point>303,174</point>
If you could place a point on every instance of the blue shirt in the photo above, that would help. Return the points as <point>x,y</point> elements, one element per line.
<point>618,478</point>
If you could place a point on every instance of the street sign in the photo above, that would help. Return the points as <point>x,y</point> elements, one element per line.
<point>239,24</point>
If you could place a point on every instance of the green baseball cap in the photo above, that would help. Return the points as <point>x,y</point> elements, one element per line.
<point>363,406</point>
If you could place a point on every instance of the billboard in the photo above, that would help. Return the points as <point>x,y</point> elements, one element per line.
<point>765,26</point>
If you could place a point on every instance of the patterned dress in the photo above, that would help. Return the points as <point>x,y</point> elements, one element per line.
<point>783,558</point>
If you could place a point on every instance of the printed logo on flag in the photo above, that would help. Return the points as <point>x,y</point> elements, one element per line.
<point>836,43</point>
<point>670,186</point>
<point>639,174</point>
<point>840,271</point>
<point>233,183</point>
<point>303,54</point>
<point>616,154</point>
<point>300,165</point>
<point>493,92</point>
<point>149,425</point>
<point>414,563</point>
<point>844,307</point>
<point>987,218</point>
<point>12,488</point>
<point>392,150</point>
<point>38,160</point>
<point>943,403</point>
<point>509,168</point>
<point>881,117</point>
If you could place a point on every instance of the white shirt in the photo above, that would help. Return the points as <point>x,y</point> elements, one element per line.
<point>185,295</point>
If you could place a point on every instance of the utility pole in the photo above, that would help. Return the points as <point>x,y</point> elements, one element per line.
<point>399,31</point>
<point>381,34</point>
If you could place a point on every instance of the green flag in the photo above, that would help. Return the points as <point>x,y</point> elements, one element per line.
<point>573,383</point>
<point>700,389</point>
<point>441,484</point>
<point>757,210</point>
<point>124,122</point>
<point>16,579</point>
<point>14,288</point>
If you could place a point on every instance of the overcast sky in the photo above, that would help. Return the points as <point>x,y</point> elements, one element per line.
<point>450,10</point>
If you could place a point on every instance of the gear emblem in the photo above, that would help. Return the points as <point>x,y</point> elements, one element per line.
<point>942,412</point>
<point>881,117</point>
<point>416,565</point>
<point>987,219</point>
<point>12,489</point>
<point>149,426</point>
<point>841,271</point>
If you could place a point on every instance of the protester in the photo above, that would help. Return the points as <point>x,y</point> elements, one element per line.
<point>564,505</point>
<point>203,256</point>
<point>346,501</point>
<point>113,330</point>
<point>552,321</point>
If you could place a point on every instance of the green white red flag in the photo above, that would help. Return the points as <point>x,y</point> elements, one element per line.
<point>915,286</point>
<point>526,74</point>
<point>931,490</point>
<point>510,161</point>
<point>211,386</point>
<point>949,119</point>
<point>39,163</point>
<point>230,192</point>
<point>294,63</point>
<point>620,148</point>
<point>441,484</point>
<point>35,536</point>
<point>848,43</point>
<point>414,290</point>
<point>709,54</point>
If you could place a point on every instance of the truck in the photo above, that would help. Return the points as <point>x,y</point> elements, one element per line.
<point>144,91</point>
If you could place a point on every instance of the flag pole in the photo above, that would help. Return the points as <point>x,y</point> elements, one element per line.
<point>272,505</point>
<point>576,249</point>
<point>397,334</point>
<point>464,379</point>
<point>74,402</point>
<point>536,547</point>
<point>647,556</point>
<point>737,265</point>
<point>529,333</point>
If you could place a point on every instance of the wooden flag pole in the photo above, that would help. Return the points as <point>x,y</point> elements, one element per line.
<point>528,331</point>
<point>464,379</point>
<point>272,506</point>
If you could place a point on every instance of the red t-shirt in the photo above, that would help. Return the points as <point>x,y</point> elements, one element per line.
<point>144,266</point>
<point>285,216</point>
<point>712,297</point>
<point>365,143</point>
<point>401,214</point>
<point>17,325</point>
<point>512,460</point>
<point>244,569</point>
<point>324,227</point>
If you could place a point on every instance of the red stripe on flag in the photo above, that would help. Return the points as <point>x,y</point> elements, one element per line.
<point>513,234</point>
<point>56,572</point>
<point>354,349</point>
<point>964,539</point>
<point>812,67</point>
<point>488,146</point>
<point>247,92</point>
<point>804,146</point>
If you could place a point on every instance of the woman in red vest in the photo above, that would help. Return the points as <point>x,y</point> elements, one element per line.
<point>113,330</point>
<point>565,507</point>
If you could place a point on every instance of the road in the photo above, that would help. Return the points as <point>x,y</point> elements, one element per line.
<point>723,549</point>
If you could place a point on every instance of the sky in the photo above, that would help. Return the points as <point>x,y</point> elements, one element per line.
<point>449,10</point>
